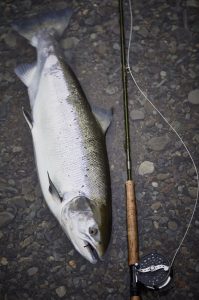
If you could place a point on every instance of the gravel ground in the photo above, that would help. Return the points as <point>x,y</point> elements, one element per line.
<point>36,259</point>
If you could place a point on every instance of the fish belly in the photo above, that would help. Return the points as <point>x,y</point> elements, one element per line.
<point>68,142</point>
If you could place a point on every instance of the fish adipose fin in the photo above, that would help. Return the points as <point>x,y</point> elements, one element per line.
<point>54,22</point>
<point>52,189</point>
<point>28,118</point>
<point>26,73</point>
<point>103,116</point>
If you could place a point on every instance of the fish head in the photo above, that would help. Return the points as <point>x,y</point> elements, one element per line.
<point>79,221</point>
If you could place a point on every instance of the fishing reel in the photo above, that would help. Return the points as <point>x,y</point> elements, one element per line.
<point>153,271</point>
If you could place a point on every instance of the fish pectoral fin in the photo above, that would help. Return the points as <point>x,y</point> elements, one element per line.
<point>103,116</point>
<point>27,117</point>
<point>52,189</point>
<point>26,73</point>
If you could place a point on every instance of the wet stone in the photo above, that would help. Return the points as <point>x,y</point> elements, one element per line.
<point>83,268</point>
<point>116,46</point>
<point>17,149</point>
<point>32,271</point>
<point>143,32</point>
<point>163,74</point>
<point>61,291</point>
<point>158,143</point>
<point>3,110</point>
<point>69,42</point>
<point>192,191</point>
<point>156,224</point>
<point>93,36</point>
<point>146,167</point>
<point>192,3</point>
<point>137,115</point>
<point>26,242</point>
<point>172,225</point>
<point>197,268</point>
<point>156,205</point>
<point>3,261</point>
<point>18,201</point>
<point>10,39</point>
<point>72,264</point>
<point>5,218</point>
<point>101,48</point>
<point>193,97</point>
<point>90,21</point>
<point>111,90</point>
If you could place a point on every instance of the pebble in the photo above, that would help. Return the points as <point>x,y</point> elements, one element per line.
<point>163,176</point>
<point>137,115</point>
<point>72,264</point>
<point>158,143</point>
<point>143,32</point>
<point>156,205</point>
<point>193,96</point>
<point>196,138</point>
<point>197,268</point>
<point>101,48</point>
<point>3,261</point>
<point>11,182</point>
<point>116,46</point>
<point>146,167</point>
<point>61,291</point>
<point>172,225</point>
<point>111,90</point>
<point>5,218</point>
<point>181,188</point>
<point>26,242</point>
<point>192,3</point>
<point>93,36</point>
<point>156,224</point>
<point>10,39</point>
<point>71,253</point>
<point>163,74</point>
<point>83,268</point>
<point>3,110</point>
<point>32,271</point>
<point>17,149</point>
<point>192,191</point>
<point>90,21</point>
<point>69,42</point>
<point>154,184</point>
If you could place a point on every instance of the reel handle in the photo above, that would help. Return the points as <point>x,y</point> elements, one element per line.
<point>132,232</point>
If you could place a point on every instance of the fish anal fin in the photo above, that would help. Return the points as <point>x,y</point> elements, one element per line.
<point>27,117</point>
<point>103,116</point>
<point>26,73</point>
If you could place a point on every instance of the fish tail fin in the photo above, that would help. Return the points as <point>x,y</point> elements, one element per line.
<point>54,22</point>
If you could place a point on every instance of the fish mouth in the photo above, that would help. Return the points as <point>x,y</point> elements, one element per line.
<point>92,251</point>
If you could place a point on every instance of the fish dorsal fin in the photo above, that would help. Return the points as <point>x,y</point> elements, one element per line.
<point>52,189</point>
<point>26,73</point>
<point>103,116</point>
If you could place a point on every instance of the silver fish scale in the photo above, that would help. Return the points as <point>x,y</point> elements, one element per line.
<point>69,143</point>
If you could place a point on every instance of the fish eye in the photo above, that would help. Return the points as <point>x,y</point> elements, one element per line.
<point>93,230</point>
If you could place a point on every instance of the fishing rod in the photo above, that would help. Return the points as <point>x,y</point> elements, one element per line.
<point>153,270</point>
<point>132,226</point>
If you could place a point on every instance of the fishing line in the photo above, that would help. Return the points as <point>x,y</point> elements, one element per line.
<point>171,127</point>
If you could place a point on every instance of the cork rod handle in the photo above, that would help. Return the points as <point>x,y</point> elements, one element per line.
<point>135,298</point>
<point>132,230</point>
<point>132,227</point>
